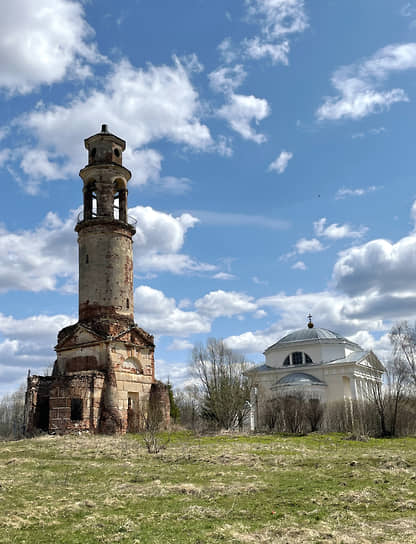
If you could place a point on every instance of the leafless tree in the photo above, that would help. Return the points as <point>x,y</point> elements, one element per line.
<point>224,388</point>
<point>390,397</point>
<point>403,340</point>
<point>12,414</point>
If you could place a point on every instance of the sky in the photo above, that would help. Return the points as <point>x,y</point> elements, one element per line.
<point>272,147</point>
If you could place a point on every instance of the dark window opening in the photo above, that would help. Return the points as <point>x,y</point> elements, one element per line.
<point>308,360</point>
<point>93,152</point>
<point>116,152</point>
<point>297,358</point>
<point>76,409</point>
<point>127,303</point>
<point>86,259</point>
<point>286,362</point>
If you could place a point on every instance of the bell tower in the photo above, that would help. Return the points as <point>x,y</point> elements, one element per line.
<point>104,377</point>
<point>105,236</point>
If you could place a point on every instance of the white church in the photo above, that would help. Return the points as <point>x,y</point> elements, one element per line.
<point>320,363</point>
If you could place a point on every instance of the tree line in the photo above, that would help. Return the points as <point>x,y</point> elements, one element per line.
<point>219,397</point>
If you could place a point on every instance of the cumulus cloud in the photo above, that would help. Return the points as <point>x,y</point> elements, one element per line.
<point>312,245</point>
<point>241,110</point>
<point>336,231</point>
<point>27,343</point>
<point>180,345</point>
<point>160,314</point>
<point>359,86</point>
<point>141,105</point>
<point>377,265</point>
<point>158,240</point>
<point>44,42</point>
<point>35,260</point>
<point>225,303</point>
<point>45,258</point>
<point>329,310</point>
<point>280,164</point>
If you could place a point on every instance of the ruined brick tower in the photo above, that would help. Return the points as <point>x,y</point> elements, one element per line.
<point>103,379</point>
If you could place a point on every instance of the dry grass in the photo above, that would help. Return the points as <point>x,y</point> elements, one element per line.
<point>236,489</point>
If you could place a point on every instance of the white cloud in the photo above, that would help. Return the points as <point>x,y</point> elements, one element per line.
<point>335,231</point>
<point>159,237</point>
<point>241,110</point>
<point>27,343</point>
<point>278,17</point>
<point>227,50</point>
<point>44,42</point>
<point>35,260</point>
<point>257,49</point>
<point>280,164</point>
<point>299,265</point>
<point>180,345</point>
<point>224,303</point>
<point>378,265</point>
<point>359,85</point>
<point>140,105</point>
<point>360,191</point>
<point>277,20</point>
<point>227,79</point>
<point>224,276</point>
<point>45,258</point>
<point>308,246</point>
<point>159,314</point>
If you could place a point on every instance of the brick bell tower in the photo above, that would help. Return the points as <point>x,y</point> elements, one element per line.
<point>103,379</point>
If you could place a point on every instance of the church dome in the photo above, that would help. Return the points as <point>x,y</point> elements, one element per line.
<point>300,378</point>
<point>309,334</point>
<point>312,335</point>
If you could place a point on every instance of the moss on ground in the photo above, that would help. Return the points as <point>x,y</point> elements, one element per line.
<point>202,490</point>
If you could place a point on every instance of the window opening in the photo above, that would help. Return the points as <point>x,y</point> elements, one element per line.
<point>116,206</point>
<point>308,360</point>
<point>297,358</point>
<point>127,303</point>
<point>86,259</point>
<point>76,409</point>
<point>286,362</point>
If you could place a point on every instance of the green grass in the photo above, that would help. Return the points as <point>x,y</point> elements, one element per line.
<point>201,490</point>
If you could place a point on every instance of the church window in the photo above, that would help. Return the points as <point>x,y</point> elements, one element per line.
<point>286,362</point>
<point>308,360</point>
<point>127,303</point>
<point>86,259</point>
<point>116,152</point>
<point>76,409</point>
<point>297,358</point>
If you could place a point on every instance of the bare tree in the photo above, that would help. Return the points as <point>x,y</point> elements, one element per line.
<point>224,388</point>
<point>12,414</point>
<point>389,397</point>
<point>403,340</point>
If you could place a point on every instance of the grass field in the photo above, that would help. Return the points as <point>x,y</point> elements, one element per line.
<point>317,488</point>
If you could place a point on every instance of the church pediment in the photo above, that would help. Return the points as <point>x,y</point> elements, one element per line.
<point>75,335</point>
<point>137,336</point>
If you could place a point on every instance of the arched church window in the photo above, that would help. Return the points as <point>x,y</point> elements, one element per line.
<point>308,360</point>
<point>286,362</point>
<point>297,358</point>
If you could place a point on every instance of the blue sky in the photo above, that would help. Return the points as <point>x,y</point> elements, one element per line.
<point>272,150</point>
